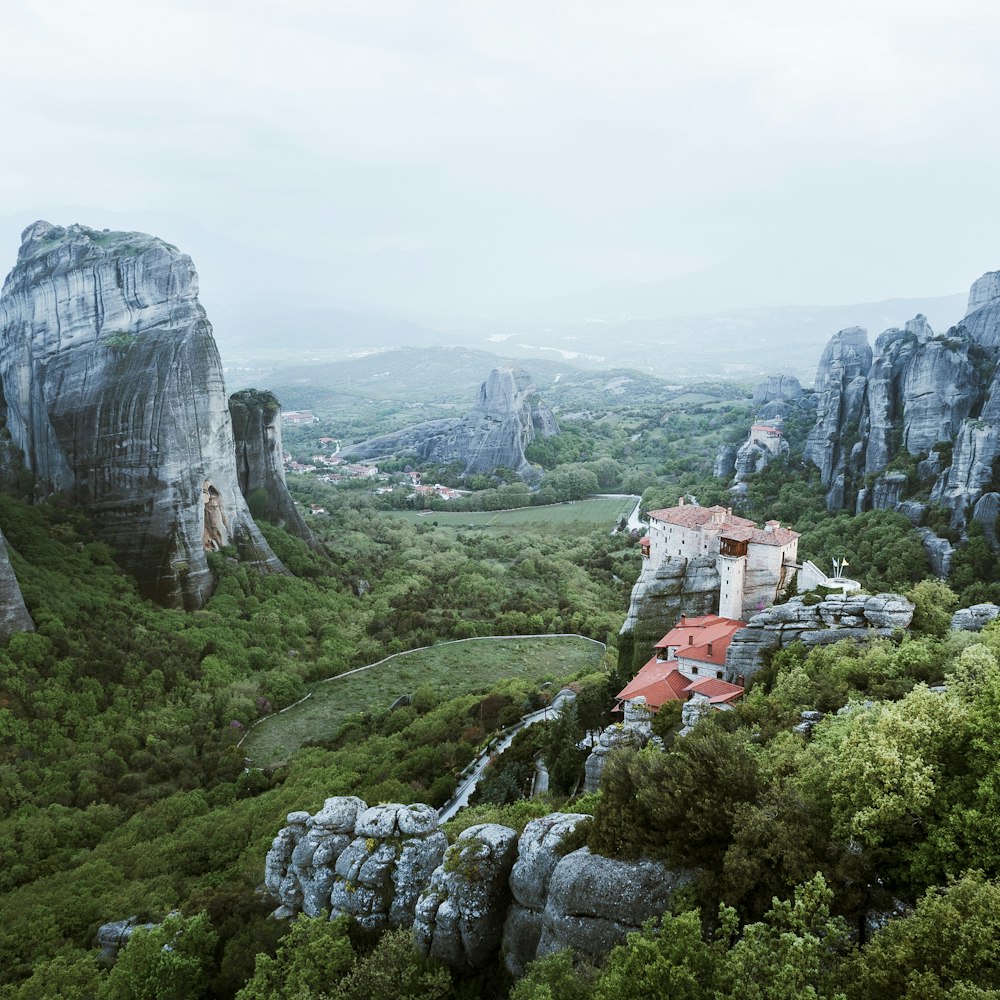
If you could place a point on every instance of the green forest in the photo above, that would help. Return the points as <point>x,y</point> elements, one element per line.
<point>858,861</point>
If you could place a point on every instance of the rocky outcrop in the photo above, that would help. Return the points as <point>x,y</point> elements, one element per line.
<point>753,457</point>
<point>986,513</point>
<point>260,467</point>
<point>975,618</point>
<point>114,393</point>
<point>113,936</point>
<point>507,417</point>
<point>939,552</point>
<point>460,916</point>
<point>368,863</point>
<point>610,740</point>
<point>840,388</point>
<point>725,461</point>
<point>814,623</point>
<point>14,615</point>
<point>924,394</point>
<point>594,902</point>
<point>663,593</point>
<point>776,388</point>
<point>388,866</point>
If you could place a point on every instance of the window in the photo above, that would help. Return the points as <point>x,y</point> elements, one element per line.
<point>718,674</point>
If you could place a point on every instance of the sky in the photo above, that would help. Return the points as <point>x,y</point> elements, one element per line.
<point>551,157</point>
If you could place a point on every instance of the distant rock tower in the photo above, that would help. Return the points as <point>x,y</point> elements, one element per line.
<point>115,395</point>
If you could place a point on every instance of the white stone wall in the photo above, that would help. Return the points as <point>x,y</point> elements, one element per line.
<point>732,573</point>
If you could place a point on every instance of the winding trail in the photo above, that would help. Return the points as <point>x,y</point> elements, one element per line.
<point>464,791</point>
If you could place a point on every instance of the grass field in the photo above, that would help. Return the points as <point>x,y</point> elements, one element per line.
<point>592,513</point>
<point>451,669</point>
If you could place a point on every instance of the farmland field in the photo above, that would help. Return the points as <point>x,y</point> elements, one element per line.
<point>600,512</point>
<point>449,668</point>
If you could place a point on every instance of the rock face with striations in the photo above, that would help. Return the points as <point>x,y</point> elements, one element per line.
<point>593,902</point>
<point>460,915</point>
<point>256,417</point>
<point>14,615</point>
<point>114,392</point>
<point>663,593</point>
<point>507,417</point>
<point>925,400</point>
<point>840,387</point>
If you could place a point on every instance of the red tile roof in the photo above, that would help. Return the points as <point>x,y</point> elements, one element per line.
<point>692,637</point>
<point>739,529</point>
<point>716,690</point>
<point>659,682</point>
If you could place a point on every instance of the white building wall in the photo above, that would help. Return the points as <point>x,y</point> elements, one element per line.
<point>732,573</point>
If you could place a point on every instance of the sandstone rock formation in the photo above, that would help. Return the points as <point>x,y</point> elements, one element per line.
<point>924,394</point>
<point>388,866</point>
<point>975,618</point>
<point>14,615</point>
<point>835,617</point>
<point>725,461</point>
<point>537,856</point>
<point>840,387</point>
<point>460,915</point>
<point>663,593</point>
<point>114,393</point>
<point>369,863</point>
<point>776,388</point>
<point>507,417</point>
<point>256,420</point>
<point>594,902</point>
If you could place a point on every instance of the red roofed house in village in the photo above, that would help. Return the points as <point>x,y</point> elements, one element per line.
<point>689,659</point>
<point>754,564</point>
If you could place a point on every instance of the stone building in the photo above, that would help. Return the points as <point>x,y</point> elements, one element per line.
<point>755,565</point>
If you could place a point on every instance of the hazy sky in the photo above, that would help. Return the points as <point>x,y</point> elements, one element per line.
<point>505,151</point>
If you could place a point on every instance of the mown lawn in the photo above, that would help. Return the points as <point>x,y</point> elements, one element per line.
<point>450,668</point>
<point>588,513</point>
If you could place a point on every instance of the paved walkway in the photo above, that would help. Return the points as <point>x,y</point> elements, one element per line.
<point>464,791</point>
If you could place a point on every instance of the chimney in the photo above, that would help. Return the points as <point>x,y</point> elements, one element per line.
<point>680,502</point>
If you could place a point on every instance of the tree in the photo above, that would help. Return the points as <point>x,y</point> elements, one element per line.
<point>171,961</point>
<point>949,946</point>
<point>311,960</point>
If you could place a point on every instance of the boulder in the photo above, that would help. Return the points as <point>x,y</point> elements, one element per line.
<point>975,618</point>
<point>460,916</point>
<point>594,902</point>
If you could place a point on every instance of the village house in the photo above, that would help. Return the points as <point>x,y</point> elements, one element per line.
<point>689,660</point>
<point>755,565</point>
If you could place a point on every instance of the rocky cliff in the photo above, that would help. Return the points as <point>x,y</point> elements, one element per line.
<point>925,402</point>
<point>390,866</point>
<point>114,393</point>
<point>14,615</point>
<point>663,593</point>
<point>507,417</point>
<point>256,417</point>
<point>814,623</point>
